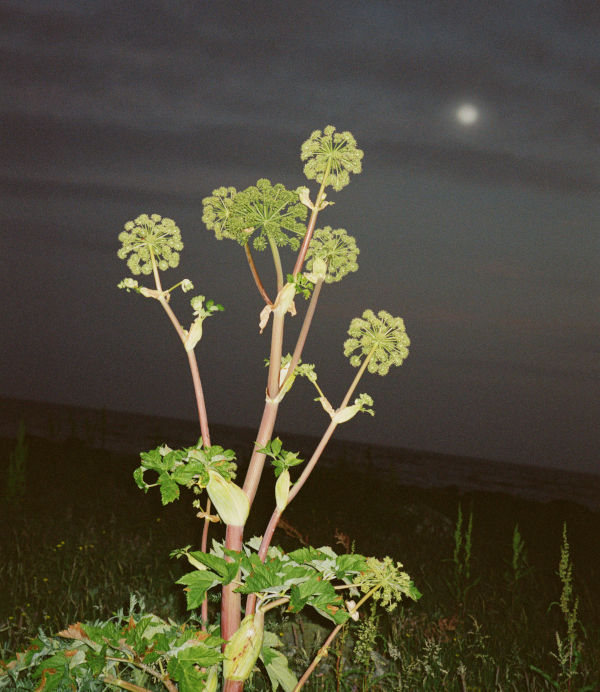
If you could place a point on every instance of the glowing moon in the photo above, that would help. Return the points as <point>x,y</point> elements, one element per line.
<point>467,114</point>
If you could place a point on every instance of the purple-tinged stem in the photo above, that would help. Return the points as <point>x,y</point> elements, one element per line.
<point>256,277</point>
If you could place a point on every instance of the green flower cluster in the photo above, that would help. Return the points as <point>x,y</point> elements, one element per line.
<point>148,239</point>
<point>388,581</point>
<point>337,249</point>
<point>271,211</point>
<point>217,209</point>
<point>381,336</point>
<point>331,155</point>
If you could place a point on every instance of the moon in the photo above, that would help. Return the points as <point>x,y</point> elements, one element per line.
<point>467,114</point>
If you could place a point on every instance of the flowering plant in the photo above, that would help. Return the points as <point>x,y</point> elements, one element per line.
<point>335,586</point>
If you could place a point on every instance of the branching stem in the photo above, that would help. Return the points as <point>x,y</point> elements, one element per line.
<point>308,469</point>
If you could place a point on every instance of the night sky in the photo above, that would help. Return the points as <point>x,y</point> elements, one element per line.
<point>477,212</point>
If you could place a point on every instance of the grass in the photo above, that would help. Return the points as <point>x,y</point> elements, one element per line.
<point>83,538</point>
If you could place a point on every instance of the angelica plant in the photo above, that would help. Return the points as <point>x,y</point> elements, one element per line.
<point>270,218</point>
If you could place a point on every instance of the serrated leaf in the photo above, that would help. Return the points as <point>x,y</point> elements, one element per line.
<point>307,554</point>
<point>152,460</point>
<point>185,675</point>
<point>350,563</point>
<point>170,459</point>
<point>169,490</point>
<point>198,583</point>
<point>186,473</point>
<point>224,568</point>
<point>278,669</point>
<point>297,600</point>
<point>51,679</point>
<point>202,655</point>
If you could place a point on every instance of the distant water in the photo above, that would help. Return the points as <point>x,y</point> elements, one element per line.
<point>131,433</point>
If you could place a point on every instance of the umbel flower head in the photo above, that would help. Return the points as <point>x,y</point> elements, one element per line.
<point>337,249</point>
<point>332,153</point>
<point>216,212</point>
<point>381,336</point>
<point>387,581</point>
<point>147,238</point>
<point>269,211</point>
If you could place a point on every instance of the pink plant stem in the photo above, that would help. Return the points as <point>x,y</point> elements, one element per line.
<point>262,554</point>
<point>200,404</point>
<point>311,225</point>
<point>231,601</point>
<point>256,277</point>
<point>304,331</point>
<point>268,535</point>
<point>333,634</point>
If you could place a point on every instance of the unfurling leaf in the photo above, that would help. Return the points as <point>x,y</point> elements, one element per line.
<point>282,490</point>
<point>230,501</point>
<point>243,648</point>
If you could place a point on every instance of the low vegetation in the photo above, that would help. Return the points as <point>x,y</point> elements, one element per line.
<point>499,581</point>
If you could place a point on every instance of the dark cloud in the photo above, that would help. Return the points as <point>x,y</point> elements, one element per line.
<point>491,168</point>
<point>111,109</point>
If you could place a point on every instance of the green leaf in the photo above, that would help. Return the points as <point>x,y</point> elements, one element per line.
<point>307,554</point>
<point>169,490</point>
<point>187,677</point>
<point>186,473</point>
<point>319,594</point>
<point>202,655</point>
<point>96,660</point>
<point>152,459</point>
<point>198,583</point>
<point>350,564</point>
<point>224,568</point>
<point>278,669</point>
<point>261,576</point>
<point>138,477</point>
